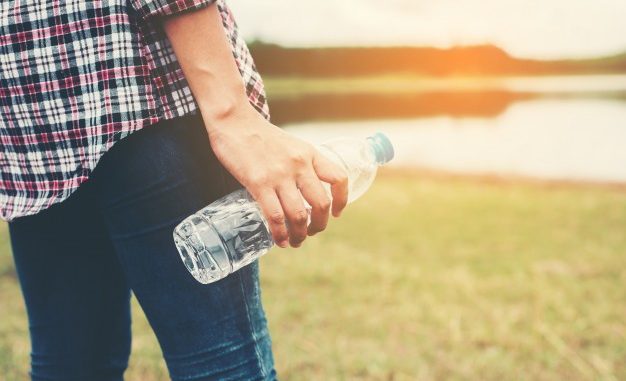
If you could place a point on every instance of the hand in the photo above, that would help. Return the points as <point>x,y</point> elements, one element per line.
<point>278,169</point>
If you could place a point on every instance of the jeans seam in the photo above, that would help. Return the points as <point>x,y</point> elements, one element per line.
<point>251,327</point>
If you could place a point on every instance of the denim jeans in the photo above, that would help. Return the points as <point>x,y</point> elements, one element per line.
<point>78,261</point>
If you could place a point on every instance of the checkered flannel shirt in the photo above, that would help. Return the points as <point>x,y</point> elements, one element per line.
<point>76,76</point>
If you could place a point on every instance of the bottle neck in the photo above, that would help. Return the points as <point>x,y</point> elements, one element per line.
<point>381,147</point>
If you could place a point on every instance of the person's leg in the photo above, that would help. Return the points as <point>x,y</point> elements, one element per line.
<point>77,299</point>
<point>147,184</point>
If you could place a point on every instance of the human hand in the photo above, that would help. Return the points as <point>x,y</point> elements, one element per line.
<point>279,169</point>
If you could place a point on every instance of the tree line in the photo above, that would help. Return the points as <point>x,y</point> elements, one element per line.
<point>484,60</point>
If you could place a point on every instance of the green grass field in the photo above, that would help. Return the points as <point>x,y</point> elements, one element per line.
<point>430,278</point>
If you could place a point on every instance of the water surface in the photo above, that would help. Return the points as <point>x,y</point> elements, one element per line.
<point>581,139</point>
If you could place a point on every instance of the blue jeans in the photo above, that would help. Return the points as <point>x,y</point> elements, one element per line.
<point>78,261</point>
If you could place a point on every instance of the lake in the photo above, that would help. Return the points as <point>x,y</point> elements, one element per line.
<point>555,128</point>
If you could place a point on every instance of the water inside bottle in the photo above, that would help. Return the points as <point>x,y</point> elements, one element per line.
<point>240,225</point>
<point>223,237</point>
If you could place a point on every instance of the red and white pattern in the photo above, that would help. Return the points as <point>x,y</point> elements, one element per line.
<point>78,76</point>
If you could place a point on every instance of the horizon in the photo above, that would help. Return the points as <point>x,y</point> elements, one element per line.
<point>557,29</point>
<point>446,48</point>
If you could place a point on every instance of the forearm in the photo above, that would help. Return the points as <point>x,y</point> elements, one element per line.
<point>276,168</point>
<point>202,49</point>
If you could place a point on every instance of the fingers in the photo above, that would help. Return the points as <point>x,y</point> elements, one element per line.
<point>296,213</point>
<point>289,219</point>
<point>273,211</point>
<point>314,193</point>
<point>333,174</point>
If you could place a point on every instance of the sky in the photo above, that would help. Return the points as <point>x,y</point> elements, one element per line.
<point>525,28</point>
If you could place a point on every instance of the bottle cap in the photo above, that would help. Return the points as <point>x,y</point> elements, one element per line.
<point>382,147</point>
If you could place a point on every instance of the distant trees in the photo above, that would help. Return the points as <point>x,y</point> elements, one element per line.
<point>481,60</point>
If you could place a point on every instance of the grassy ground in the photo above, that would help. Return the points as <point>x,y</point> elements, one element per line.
<point>430,278</point>
<point>285,87</point>
<point>391,84</point>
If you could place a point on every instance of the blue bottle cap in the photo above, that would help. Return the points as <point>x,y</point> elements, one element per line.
<point>382,147</point>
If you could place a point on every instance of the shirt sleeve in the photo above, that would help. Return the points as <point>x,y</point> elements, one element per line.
<point>152,8</point>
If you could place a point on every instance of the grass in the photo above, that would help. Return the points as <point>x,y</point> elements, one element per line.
<point>430,278</point>
<point>288,87</point>
<point>390,84</point>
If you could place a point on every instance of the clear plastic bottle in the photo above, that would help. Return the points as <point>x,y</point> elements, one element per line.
<point>232,231</point>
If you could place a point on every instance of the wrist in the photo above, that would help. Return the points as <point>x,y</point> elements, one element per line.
<point>227,114</point>
<point>220,109</point>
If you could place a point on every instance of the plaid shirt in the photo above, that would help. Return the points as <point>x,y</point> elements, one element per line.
<point>78,76</point>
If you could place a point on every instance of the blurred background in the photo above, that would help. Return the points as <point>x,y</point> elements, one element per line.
<point>494,246</point>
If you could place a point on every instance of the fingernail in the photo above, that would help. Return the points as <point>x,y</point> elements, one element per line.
<point>283,244</point>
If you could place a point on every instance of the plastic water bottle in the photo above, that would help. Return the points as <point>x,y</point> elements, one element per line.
<point>232,231</point>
